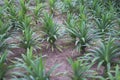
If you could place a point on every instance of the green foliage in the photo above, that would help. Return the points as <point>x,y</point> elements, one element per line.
<point>9,7</point>
<point>3,44</point>
<point>37,11</point>
<point>105,53</point>
<point>4,28</point>
<point>21,17</point>
<point>73,6</point>
<point>3,66</point>
<point>117,31</point>
<point>1,13</point>
<point>112,74</point>
<point>70,5</point>
<point>27,1</point>
<point>23,7</point>
<point>25,23</point>
<point>34,68</point>
<point>116,72</point>
<point>11,12</point>
<point>83,35</point>
<point>84,17</point>
<point>4,34</point>
<point>80,33</point>
<point>28,40</point>
<point>81,69</point>
<point>104,25</point>
<point>50,29</point>
<point>71,24</point>
<point>78,29</point>
<point>24,20</point>
<point>52,6</point>
<point>97,8</point>
<point>82,13</point>
<point>39,1</point>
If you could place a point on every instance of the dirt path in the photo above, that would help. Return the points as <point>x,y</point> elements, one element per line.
<point>58,57</point>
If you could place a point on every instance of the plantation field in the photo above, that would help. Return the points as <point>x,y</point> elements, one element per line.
<point>59,40</point>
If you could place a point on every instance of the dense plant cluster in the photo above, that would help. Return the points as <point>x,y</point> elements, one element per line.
<point>91,25</point>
